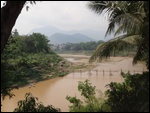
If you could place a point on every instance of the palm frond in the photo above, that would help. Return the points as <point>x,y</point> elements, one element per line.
<point>127,23</point>
<point>142,53</point>
<point>105,50</point>
<point>119,30</point>
<point>132,39</point>
<point>125,17</point>
<point>102,6</point>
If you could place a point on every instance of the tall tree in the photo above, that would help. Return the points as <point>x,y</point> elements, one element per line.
<point>131,20</point>
<point>9,15</point>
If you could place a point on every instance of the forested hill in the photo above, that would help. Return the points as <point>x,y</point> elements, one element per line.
<point>60,38</point>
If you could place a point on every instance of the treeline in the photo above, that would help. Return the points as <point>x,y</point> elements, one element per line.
<point>88,48</point>
<point>77,46</point>
<point>28,59</point>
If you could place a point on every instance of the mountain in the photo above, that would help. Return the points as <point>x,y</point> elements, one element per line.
<point>50,30</point>
<point>47,30</point>
<point>97,35</point>
<point>59,38</point>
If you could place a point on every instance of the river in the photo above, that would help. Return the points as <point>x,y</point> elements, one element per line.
<point>54,91</point>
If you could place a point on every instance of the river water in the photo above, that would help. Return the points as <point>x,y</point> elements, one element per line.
<point>54,91</point>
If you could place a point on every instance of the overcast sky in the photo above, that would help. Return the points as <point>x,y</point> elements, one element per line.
<point>65,15</point>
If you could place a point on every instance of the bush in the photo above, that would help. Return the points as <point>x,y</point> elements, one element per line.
<point>31,104</point>
<point>91,102</point>
<point>130,96</point>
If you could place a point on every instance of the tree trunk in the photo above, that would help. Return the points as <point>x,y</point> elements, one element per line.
<point>9,15</point>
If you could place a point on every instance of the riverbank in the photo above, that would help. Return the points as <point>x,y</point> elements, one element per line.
<point>80,63</point>
<point>58,68</point>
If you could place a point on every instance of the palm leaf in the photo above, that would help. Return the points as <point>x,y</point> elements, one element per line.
<point>102,6</point>
<point>142,51</point>
<point>113,46</point>
<point>125,23</point>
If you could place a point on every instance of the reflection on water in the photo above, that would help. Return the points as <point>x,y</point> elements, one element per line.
<point>54,91</point>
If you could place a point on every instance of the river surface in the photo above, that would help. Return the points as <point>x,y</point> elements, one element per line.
<point>54,91</point>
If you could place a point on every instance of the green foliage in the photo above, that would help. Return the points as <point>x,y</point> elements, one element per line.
<point>130,96</point>
<point>31,104</point>
<point>76,102</point>
<point>86,89</point>
<point>91,102</point>
<point>6,81</point>
<point>35,43</point>
<point>26,59</point>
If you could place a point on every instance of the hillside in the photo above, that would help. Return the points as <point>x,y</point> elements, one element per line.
<point>59,38</point>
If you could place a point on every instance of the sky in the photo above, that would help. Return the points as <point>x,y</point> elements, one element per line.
<point>65,15</point>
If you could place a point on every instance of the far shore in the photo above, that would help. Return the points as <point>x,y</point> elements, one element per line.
<point>82,61</point>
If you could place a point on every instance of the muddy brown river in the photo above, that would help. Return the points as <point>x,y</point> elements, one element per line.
<point>54,91</point>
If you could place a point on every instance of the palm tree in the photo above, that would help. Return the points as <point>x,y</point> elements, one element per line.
<point>129,21</point>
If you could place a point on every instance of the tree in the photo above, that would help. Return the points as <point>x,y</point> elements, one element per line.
<point>130,96</point>
<point>15,33</point>
<point>131,20</point>
<point>9,15</point>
